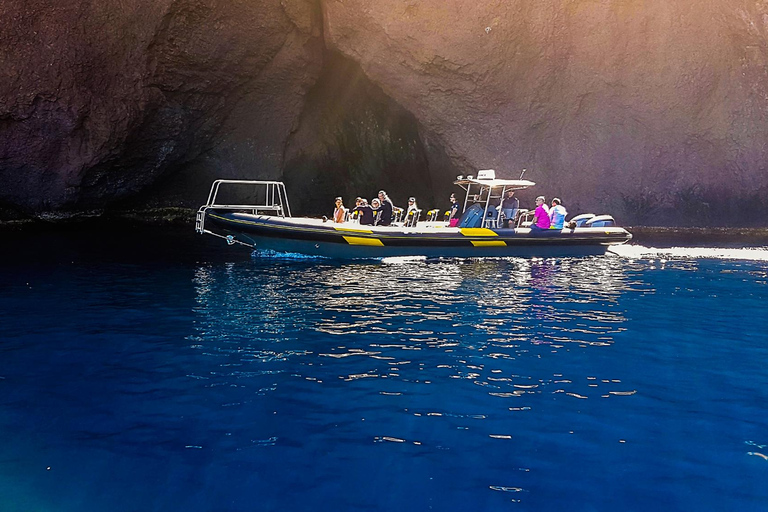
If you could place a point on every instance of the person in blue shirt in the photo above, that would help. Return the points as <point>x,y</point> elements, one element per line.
<point>557,214</point>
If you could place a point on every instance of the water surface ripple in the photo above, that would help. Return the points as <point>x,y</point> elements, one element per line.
<point>632,382</point>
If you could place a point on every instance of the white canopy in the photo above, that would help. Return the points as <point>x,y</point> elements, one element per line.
<point>487,178</point>
<point>495,183</point>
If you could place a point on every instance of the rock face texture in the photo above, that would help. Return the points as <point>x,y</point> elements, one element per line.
<point>652,110</point>
<point>656,109</point>
<point>99,100</point>
<point>354,140</point>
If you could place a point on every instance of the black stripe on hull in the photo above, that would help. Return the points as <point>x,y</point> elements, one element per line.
<point>276,234</point>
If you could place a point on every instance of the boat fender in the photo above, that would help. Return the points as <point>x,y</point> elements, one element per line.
<point>601,221</point>
<point>582,219</point>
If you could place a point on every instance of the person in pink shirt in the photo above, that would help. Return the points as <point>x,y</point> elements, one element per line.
<point>540,216</point>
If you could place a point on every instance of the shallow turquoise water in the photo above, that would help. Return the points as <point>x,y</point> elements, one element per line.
<point>183,379</point>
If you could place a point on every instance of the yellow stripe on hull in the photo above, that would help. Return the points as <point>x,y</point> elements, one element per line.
<point>489,243</point>
<point>357,240</point>
<point>478,232</point>
<point>351,230</point>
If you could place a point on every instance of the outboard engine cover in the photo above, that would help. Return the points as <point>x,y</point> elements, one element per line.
<point>582,219</point>
<point>601,221</point>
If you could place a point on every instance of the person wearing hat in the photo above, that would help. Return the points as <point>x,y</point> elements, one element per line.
<point>364,212</point>
<point>540,216</point>
<point>340,212</point>
<point>557,214</point>
<point>385,211</point>
<point>412,213</point>
<point>376,207</point>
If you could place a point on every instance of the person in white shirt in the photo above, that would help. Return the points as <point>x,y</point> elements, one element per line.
<point>557,214</point>
<point>340,212</point>
<point>412,213</point>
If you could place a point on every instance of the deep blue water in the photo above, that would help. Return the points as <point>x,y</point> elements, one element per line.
<point>159,374</point>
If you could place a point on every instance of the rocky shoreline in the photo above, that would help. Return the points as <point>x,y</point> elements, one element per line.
<point>175,217</point>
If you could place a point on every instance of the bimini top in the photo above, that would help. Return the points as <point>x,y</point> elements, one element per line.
<point>487,178</point>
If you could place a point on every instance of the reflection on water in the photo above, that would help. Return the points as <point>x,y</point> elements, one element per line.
<point>398,385</point>
<point>466,346</point>
<point>422,301</point>
<point>416,322</point>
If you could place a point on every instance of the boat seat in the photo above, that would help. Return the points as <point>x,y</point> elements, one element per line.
<point>491,220</point>
<point>413,218</point>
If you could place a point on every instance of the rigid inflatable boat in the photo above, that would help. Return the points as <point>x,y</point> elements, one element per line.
<point>264,222</point>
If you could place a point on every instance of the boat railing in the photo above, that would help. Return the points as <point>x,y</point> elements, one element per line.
<point>524,218</point>
<point>271,199</point>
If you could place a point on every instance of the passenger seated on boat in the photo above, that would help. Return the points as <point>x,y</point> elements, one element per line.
<point>385,211</point>
<point>376,206</point>
<point>340,212</point>
<point>557,214</point>
<point>413,213</point>
<point>363,212</point>
<point>352,214</point>
<point>540,216</point>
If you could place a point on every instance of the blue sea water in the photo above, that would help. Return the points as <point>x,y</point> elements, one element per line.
<point>164,374</point>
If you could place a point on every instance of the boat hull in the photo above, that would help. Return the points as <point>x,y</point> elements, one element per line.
<point>314,237</point>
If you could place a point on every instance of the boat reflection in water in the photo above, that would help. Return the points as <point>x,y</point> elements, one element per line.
<point>491,379</point>
<point>508,303</point>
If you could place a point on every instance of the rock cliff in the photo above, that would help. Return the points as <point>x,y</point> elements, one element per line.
<point>657,109</point>
<point>653,110</point>
<point>99,100</point>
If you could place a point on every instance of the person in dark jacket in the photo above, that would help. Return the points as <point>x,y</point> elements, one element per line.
<point>454,213</point>
<point>509,207</point>
<point>364,212</point>
<point>385,211</point>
